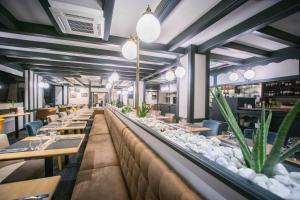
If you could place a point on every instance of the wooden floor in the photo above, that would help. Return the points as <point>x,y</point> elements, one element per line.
<point>69,172</point>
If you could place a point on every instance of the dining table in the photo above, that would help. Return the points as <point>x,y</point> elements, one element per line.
<point>47,147</point>
<point>192,128</point>
<point>16,116</point>
<point>77,126</point>
<point>30,188</point>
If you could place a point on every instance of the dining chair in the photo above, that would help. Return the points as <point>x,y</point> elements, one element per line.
<point>170,117</point>
<point>217,127</point>
<point>248,132</point>
<point>52,118</point>
<point>32,127</point>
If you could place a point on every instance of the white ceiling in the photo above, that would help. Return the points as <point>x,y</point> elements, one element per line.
<point>290,24</point>
<point>232,53</point>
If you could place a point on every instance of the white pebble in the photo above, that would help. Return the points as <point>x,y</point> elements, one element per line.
<point>295,194</point>
<point>277,188</point>
<point>222,161</point>
<point>286,180</point>
<point>247,173</point>
<point>295,176</point>
<point>279,169</point>
<point>232,168</point>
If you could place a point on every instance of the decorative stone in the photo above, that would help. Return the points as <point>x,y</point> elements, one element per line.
<point>232,168</point>
<point>247,173</point>
<point>286,180</point>
<point>277,188</point>
<point>215,141</point>
<point>222,161</point>
<point>236,162</point>
<point>279,169</point>
<point>295,176</point>
<point>295,194</point>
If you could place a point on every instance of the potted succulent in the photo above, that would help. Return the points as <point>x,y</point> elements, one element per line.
<point>257,158</point>
<point>126,109</point>
<point>144,110</point>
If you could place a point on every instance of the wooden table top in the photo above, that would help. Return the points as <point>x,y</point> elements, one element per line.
<point>9,115</point>
<point>82,118</point>
<point>44,152</point>
<point>21,189</point>
<point>225,139</point>
<point>193,128</point>
<point>65,126</point>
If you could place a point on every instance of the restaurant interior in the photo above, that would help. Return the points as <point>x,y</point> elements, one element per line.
<point>156,99</point>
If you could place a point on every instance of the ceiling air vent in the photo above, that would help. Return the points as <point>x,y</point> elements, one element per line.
<point>78,20</point>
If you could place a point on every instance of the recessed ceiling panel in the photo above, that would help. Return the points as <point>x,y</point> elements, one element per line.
<point>259,42</point>
<point>232,53</point>
<point>290,24</point>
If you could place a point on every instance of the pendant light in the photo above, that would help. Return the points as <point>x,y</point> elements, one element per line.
<point>129,50</point>
<point>170,76</point>
<point>249,74</point>
<point>233,76</point>
<point>148,27</point>
<point>115,76</point>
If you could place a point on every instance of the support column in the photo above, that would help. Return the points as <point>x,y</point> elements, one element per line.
<point>193,88</point>
<point>90,94</point>
<point>141,92</point>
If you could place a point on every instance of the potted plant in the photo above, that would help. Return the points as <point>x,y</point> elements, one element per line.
<point>144,110</point>
<point>126,109</point>
<point>257,158</point>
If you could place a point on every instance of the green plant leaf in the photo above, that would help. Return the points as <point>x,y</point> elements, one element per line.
<point>274,156</point>
<point>289,152</point>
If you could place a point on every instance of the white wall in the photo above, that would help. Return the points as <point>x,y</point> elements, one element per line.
<point>58,95</point>
<point>79,99</point>
<point>148,98</point>
<point>183,85</point>
<point>273,70</point>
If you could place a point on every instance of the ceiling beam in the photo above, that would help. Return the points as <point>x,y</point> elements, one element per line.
<point>262,19</point>
<point>108,7</point>
<point>213,15</point>
<point>45,4</point>
<point>164,8</point>
<point>7,19</point>
<point>71,59</point>
<point>76,49</point>
<point>277,35</point>
<point>276,56</point>
<point>245,48</point>
<point>79,81</point>
<point>230,59</point>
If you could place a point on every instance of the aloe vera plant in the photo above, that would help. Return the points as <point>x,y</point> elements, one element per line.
<point>126,109</point>
<point>257,158</point>
<point>144,110</point>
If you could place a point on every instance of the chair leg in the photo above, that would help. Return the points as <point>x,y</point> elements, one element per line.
<point>59,163</point>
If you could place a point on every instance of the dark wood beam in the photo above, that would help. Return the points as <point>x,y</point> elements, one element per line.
<point>45,4</point>
<point>7,19</point>
<point>230,59</point>
<point>108,7</point>
<point>164,8</point>
<point>258,21</point>
<point>277,35</point>
<point>276,56</point>
<point>245,48</point>
<point>213,15</point>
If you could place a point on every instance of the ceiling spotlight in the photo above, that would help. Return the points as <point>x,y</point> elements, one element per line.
<point>233,76</point>
<point>170,76</point>
<point>148,27</point>
<point>179,72</point>
<point>129,50</point>
<point>249,74</point>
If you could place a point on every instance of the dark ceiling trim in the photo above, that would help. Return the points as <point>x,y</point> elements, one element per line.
<point>265,17</point>
<point>45,4</point>
<point>78,80</point>
<point>7,19</point>
<point>230,59</point>
<point>4,61</point>
<point>108,7</point>
<point>276,56</point>
<point>245,48</point>
<point>213,15</point>
<point>164,8</point>
<point>77,49</point>
<point>277,35</point>
<point>72,59</point>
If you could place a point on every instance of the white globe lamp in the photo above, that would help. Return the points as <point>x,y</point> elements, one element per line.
<point>130,89</point>
<point>148,27</point>
<point>119,92</point>
<point>46,85</point>
<point>233,76</point>
<point>170,76</point>
<point>41,84</point>
<point>179,72</point>
<point>115,76</point>
<point>249,74</point>
<point>129,50</point>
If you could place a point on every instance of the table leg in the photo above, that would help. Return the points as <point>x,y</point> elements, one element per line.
<point>67,159</point>
<point>17,127</point>
<point>48,166</point>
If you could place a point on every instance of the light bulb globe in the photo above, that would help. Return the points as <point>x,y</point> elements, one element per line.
<point>129,50</point>
<point>233,76</point>
<point>249,74</point>
<point>170,76</point>
<point>148,28</point>
<point>179,72</point>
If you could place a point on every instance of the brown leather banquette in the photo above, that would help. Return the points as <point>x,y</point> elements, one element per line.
<point>117,165</point>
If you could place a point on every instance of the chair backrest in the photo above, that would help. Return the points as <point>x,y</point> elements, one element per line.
<point>248,132</point>
<point>32,127</point>
<point>52,118</point>
<point>216,127</point>
<point>170,117</point>
<point>3,141</point>
<point>62,114</point>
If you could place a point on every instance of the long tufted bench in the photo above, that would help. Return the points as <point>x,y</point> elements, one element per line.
<point>118,165</point>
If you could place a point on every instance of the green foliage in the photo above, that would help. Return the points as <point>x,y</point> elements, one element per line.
<point>119,104</point>
<point>144,110</point>
<point>113,103</point>
<point>257,159</point>
<point>126,109</point>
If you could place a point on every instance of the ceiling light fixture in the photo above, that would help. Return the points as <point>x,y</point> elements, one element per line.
<point>129,49</point>
<point>233,76</point>
<point>249,74</point>
<point>115,76</point>
<point>170,76</point>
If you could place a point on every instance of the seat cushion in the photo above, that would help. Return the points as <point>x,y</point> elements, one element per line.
<point>31,169</point>
<point>99,126</point>
<point>103,183</point>
<point>99,152</point>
